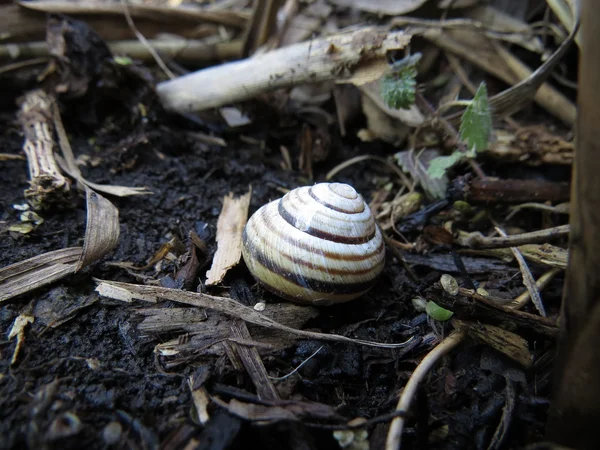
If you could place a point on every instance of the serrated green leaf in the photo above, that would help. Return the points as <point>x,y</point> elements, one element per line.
<point>438,313</point>
<point>398,88</point>
<point>440,165</point>
<point>476,122</point>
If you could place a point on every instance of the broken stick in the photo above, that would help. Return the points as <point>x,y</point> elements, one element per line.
<point>337,57</point>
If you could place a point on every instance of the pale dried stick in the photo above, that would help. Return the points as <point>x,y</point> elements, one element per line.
<point>394,436</point>
<point>337,57</point>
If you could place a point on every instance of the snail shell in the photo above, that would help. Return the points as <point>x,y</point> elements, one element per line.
<point>317,245</point>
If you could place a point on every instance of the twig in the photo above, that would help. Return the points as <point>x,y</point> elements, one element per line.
<point>144,41</point>
<point>394,167</point>
<point>528,280</point>
<point>478,240</point>
<point>127,292</point>
<point>394,436</point>
<point>23,64</point>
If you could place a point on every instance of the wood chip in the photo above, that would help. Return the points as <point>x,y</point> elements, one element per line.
<point>504,341</point>
<point>230,226</point>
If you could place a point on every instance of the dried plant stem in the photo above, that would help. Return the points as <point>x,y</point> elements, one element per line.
<point>336,57</point>
<point>189,51</point>
<point>394,436</point>
<point>47,184</point>
<point>477,240</point>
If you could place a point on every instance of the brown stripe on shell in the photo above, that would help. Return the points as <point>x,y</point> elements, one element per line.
<point>312,284</point>
<point>301,262</point>
<point>289,218</point>
<point>331,255</point>
<point>330,206</point>
<point>304,201</point>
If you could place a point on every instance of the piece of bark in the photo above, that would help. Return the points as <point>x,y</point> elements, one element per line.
<point>252,362</point>
<point>336,57</point>
<point>230,226</point>
<point>575,409</point>
<point>476,306</point>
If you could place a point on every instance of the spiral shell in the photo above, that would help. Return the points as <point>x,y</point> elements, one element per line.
<point>317,245</point>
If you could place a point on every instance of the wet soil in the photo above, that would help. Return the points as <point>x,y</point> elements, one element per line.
<point>95,381</point>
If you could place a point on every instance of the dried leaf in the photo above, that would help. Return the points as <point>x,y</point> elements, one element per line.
<point>230,226</point>
<point>102,229</point>
<point>101,237</point>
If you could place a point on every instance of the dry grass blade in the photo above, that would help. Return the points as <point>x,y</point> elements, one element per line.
<point>515,98</point>
<point>68,164</point>
<point>236,19</point>
<point>337,169</point>
<point>336,57</point>
<point>467,43</point>
<point>541,283</point>
<point>101,237</point>
<point>127,292</point>
<point>230,225</point>
<point>528,279</point>
<point>38,271</point>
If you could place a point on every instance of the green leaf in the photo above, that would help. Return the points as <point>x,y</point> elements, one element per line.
<point>476,122</point>
<point>398,88</point>
<point>123,60</point>
<point>438,313</point>
<point>440,165</point>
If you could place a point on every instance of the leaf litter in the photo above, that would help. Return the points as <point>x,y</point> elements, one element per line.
<point>346,364</point>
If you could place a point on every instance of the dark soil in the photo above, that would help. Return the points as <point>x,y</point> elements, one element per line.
<point>96,368</point>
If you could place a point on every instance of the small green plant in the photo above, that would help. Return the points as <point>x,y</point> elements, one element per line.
<point>475,130</point>
<point>438,313</point>
<point>398,87</point>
